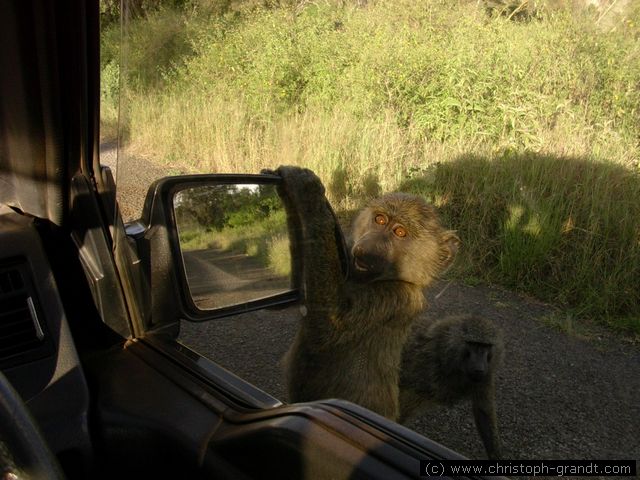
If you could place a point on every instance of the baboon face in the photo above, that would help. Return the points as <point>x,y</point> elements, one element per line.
<point>476,360</point>
<point>480,346</point>
<point>399,237</point>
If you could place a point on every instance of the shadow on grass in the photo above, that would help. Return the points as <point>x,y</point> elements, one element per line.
<point>564,229</point>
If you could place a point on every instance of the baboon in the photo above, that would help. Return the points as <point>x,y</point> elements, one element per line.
<point>449,360</point>
<point>350,339</point>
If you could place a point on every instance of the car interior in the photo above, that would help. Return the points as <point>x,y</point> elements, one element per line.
<point>93,383</point>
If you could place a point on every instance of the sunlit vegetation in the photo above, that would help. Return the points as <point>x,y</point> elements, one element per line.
<point>524,128</point>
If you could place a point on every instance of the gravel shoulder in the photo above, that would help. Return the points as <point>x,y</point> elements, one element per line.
<point>133,177</point>
<point>559,396</point>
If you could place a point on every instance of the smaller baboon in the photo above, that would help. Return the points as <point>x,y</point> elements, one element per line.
<point>449,360</point>
<point>350,339</point>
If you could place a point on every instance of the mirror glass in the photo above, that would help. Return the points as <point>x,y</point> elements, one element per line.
<point>234,243</point>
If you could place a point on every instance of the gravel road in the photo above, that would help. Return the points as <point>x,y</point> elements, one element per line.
<point>560,396</point>
<point>217,278</point>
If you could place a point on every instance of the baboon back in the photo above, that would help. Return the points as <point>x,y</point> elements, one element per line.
<point>449,360</point>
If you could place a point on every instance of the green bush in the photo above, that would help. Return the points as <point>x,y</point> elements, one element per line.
<point>446,73</point>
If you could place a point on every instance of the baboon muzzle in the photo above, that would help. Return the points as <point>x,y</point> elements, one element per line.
<point>477,375</point>
<point>368,263</point>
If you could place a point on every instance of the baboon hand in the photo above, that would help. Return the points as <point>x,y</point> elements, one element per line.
<point>300,183</point>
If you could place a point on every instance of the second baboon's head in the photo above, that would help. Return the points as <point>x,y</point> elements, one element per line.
<point>474,346</point>
<point>399,237</point>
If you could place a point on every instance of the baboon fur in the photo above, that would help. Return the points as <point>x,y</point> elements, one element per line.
<point>452,359</point>
<point>350,338</point>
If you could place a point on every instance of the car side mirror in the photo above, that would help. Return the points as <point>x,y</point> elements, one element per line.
<point>216,245</point>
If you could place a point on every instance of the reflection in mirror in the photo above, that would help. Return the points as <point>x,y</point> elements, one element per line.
<point>234,243</point>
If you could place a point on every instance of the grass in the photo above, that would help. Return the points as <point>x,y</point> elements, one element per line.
<point>565,229</point>
<point>525,133</point>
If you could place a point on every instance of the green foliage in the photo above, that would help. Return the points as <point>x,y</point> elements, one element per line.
<point>153,47</point>
<point>109,89</point>
<point>279,255</point>
<point>195,238</point>
<point>445,73</point>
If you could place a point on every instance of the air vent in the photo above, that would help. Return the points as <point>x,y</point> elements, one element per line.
<point>21,332</point>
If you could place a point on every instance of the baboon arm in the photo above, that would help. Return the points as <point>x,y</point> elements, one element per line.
<point>309,212</point>
<point>486,422</point>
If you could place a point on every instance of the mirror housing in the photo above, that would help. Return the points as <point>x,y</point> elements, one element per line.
<point>158,242</point>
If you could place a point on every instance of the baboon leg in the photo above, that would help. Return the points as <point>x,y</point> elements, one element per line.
<point>484,414</point>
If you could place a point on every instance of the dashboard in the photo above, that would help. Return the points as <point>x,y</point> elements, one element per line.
<point>37,351</point>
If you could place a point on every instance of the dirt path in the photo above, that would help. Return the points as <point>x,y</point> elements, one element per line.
<point>559,396</point>
<point>217,278</point>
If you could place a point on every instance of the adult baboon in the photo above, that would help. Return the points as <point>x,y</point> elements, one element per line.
<point>351,336</point>
<point>449,360</point>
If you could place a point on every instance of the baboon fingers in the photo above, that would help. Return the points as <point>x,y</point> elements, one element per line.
<point>300,181</point>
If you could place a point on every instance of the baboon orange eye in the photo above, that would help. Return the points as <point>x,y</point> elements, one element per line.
<point>400,232</point>
<point>381,219</point>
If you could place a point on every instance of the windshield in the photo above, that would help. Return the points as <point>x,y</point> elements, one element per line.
<point>517,121</point>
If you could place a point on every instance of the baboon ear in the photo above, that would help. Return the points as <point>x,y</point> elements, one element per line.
<point>451,244</point>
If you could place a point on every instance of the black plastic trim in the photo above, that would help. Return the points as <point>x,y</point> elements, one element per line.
<point>241,393</point>
<point>39,348</point>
